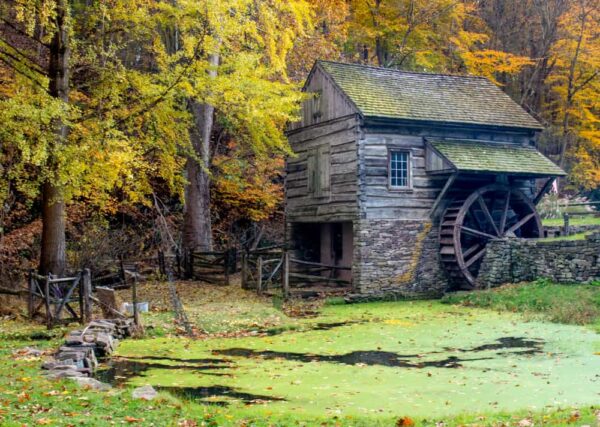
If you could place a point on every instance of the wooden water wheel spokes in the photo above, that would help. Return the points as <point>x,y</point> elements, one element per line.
<point>491,212</point>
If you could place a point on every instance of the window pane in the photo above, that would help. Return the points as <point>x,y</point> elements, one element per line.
<point>398,168</point>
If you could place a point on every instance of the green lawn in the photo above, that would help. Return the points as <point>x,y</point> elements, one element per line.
<point>350,365</point>
<point>574,220</point>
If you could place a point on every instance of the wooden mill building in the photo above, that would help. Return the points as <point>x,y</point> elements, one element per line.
<point>406,176</point>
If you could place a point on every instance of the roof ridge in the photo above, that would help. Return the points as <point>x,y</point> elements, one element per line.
<point>395,70</point>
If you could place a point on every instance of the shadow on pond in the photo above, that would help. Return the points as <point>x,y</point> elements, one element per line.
<point>120,370</point>
<point>210,395</point>
<point>505,345</point>
<point>370,358</point>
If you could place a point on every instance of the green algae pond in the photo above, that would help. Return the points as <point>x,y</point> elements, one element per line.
<point>380,359</point>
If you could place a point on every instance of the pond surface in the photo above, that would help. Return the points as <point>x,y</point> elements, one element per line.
<point>419,358</point>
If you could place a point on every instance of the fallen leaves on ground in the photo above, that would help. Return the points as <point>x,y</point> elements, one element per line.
<point>405,422</point>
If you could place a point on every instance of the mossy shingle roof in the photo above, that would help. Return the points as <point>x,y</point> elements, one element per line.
<point>393,94</point>
<point>479,156</point>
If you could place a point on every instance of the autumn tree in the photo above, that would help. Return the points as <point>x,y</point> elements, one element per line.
<point>234,57</point>
<point>84,117</point>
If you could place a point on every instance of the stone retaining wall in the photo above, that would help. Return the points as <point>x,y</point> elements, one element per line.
<point>562,261</point>
<point>396,257</point>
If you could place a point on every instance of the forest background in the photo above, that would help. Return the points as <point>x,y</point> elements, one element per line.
<point>128,125</point>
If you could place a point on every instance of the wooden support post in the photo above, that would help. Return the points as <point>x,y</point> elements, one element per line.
<point>285,274</point>
<point>259,264</point>
<point>567,228</point>
<point>87,295</point>
<point>31,300</point>
<point>178,261</point>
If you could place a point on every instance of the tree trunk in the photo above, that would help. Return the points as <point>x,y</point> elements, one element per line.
<point>53,255</point>
<point>197,225</point>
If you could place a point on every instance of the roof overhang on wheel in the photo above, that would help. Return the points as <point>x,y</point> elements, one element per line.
<point>474,156</point>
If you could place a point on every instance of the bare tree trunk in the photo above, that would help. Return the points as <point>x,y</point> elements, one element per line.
<point>53,254</point>
<point>197,225</point>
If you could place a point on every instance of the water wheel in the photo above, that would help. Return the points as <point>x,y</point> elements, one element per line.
<point>491,212</point>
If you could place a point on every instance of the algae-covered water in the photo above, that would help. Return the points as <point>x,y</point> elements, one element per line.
<point>420,358</point>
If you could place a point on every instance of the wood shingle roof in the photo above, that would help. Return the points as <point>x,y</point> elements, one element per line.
<point>480,156</point>
<point>392,94</point>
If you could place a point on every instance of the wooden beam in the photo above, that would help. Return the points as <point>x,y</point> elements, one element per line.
<point>440,197</point>
<point>544,190</point>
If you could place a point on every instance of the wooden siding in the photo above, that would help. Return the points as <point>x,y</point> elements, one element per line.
<point>329,102</point>
<point>339,203</point>
<point>377,200</point>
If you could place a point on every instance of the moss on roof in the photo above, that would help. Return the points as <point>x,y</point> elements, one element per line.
<point>393,94</point>
<point>479,156</point>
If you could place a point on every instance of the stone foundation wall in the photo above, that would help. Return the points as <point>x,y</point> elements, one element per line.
<point>562,261</point>
<point>396,258</point>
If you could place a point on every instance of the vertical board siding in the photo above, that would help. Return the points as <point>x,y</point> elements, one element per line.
<point>327,102</point>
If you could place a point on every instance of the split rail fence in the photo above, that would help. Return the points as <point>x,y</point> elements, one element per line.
<point>57,296</point>
<point>275,268</point>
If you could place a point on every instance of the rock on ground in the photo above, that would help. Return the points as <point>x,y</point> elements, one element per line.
<point>146,392</point>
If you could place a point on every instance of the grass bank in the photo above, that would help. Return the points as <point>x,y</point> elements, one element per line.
<point>576,220</point>
<point>570,304</point>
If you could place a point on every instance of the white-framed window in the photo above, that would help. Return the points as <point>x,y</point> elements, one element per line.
<point>399,169</point>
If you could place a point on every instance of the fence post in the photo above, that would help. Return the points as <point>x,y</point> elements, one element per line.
<point>87,295</point>
<point>162,268</point>
<point>244,268</point>
<point>226,260</point>
<point>30,302</point>
<point>566,227</point>
<point>47,302</point>
<point>285,273</point>
<point>134,300</point>
<point>259,264</point>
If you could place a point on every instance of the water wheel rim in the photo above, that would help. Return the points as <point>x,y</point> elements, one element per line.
<point>501,229</point>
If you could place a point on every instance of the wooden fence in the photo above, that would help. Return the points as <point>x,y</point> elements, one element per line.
<point>211,267</point>
<point>269,269</point>
<point>265,269</point>
<point>567,216</point>
<point>57,295</point>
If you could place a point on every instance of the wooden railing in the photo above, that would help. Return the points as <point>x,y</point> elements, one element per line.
<point>567,216</point>
<point>264,270</point>
<point>308,273</point>
<point>56,295</point>
<point>211,267</point>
